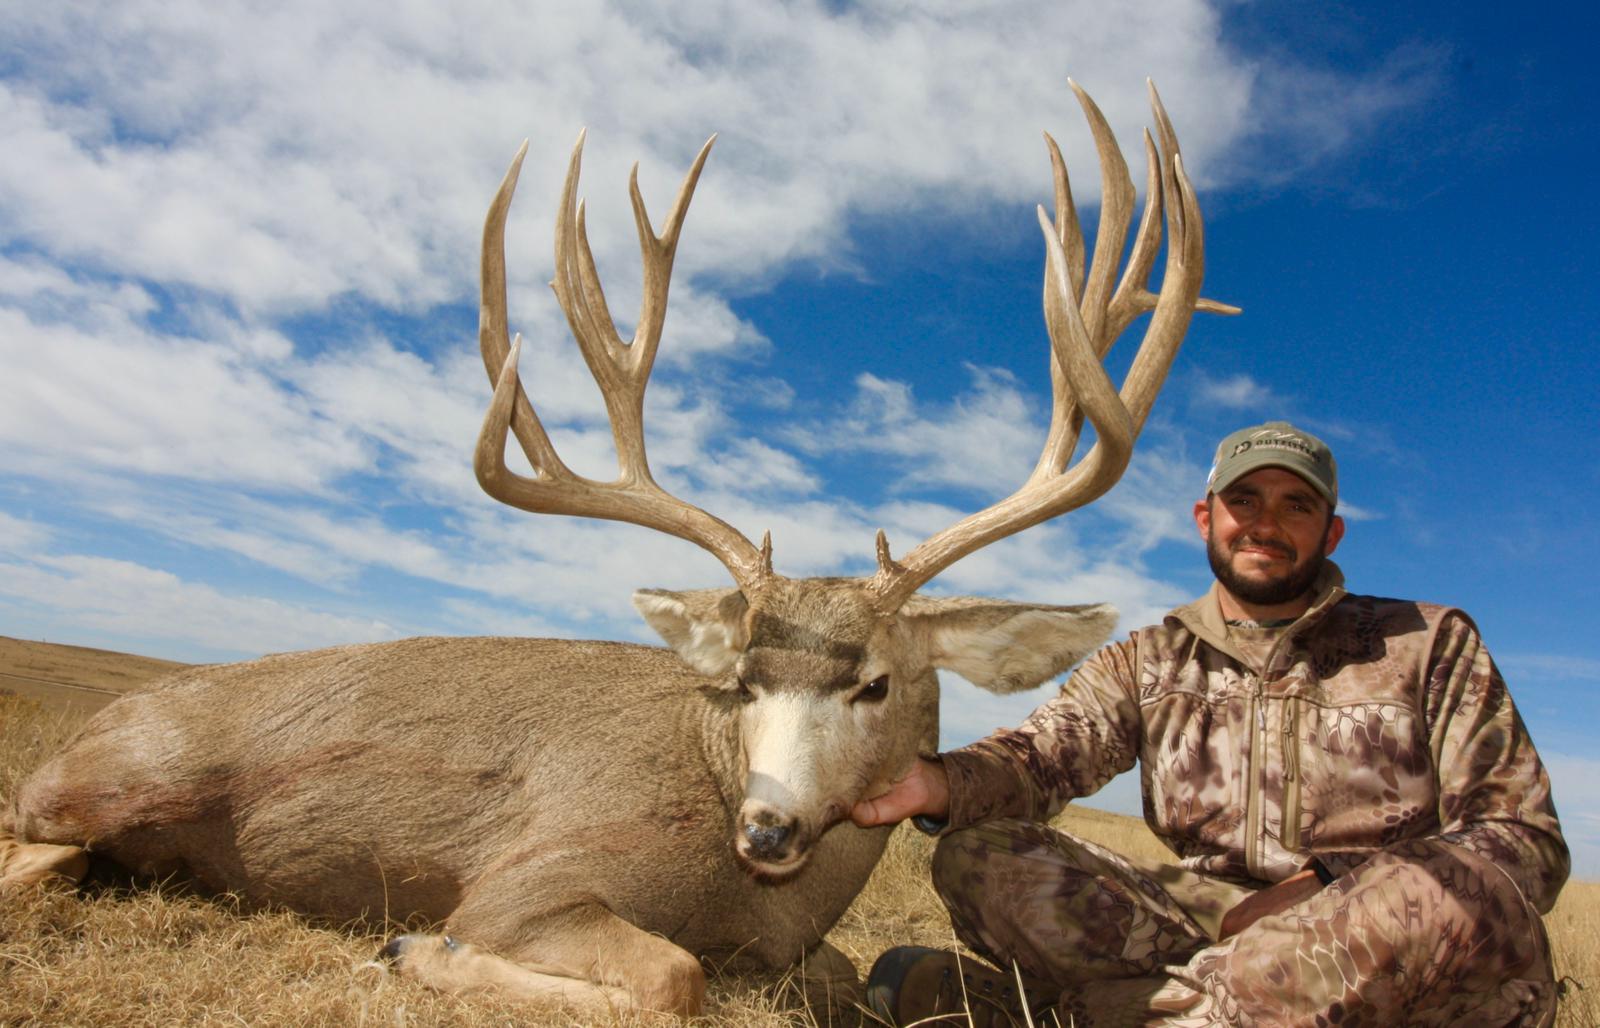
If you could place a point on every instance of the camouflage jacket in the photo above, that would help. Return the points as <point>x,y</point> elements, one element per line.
<point>1372,721</point>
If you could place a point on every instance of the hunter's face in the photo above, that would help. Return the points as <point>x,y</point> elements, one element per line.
<point>1267,535</point>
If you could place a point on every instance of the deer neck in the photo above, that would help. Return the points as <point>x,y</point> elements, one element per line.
<point>723,747</point>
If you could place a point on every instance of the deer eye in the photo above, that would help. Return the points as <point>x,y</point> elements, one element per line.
<point>874,691</point>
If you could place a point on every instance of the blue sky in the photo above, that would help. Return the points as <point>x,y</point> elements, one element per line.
<point>238,302</point>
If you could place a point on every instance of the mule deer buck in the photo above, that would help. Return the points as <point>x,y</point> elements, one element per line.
<point>586,819</point>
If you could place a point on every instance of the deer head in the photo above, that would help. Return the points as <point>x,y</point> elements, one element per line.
<point>831,681</point>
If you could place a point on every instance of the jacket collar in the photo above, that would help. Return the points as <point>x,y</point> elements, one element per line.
<point>1204,617</point>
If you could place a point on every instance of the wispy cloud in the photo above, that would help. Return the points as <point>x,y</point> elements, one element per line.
<point>1239,392</point>
<point>983,441</point>
<point>21,535</point>
<point>1551,666</point>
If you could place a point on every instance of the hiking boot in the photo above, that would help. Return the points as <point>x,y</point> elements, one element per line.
<point>917,985</point>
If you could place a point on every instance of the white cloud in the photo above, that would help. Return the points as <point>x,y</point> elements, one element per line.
<point>1237,392</point>
<point>1319,111</point>
<point>1352,512</point>
<point>985,441</point>
<point>133,600</point>
<point>118,396</point>
<point>1575,784</point>
<point>20,535</point>
<point>289,154</point>
<point>752,466</point>
<point>1155,498</point>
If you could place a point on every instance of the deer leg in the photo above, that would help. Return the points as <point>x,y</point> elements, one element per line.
<point>25,864</point>
<point>586,958</point>
<point>443,964</point>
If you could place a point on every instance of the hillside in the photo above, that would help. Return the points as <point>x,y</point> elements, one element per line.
<point>60,677</point>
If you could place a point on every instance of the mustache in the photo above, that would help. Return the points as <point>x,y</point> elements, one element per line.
<point>1276,548</point>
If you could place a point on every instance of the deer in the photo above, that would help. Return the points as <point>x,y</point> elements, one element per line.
<point>581,823</point>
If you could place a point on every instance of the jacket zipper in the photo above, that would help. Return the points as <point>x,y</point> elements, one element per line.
<point>1253,850</point>
<point>1291,778</point>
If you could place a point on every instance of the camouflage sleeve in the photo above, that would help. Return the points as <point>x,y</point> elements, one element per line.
<point>1494,794</point>
<point>1070,746</point>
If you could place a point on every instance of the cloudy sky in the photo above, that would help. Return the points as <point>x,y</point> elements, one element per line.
<point>239,384</point>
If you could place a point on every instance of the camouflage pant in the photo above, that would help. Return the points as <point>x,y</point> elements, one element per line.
<point>1422,934</point>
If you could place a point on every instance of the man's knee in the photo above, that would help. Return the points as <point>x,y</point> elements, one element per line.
<point>1425,932</point>
<point>1440,891</point>
<point>966,861</point>
<point>955,857</point>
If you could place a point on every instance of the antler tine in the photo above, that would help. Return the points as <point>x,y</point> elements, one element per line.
<point>622,372</point>
<point>1116,211</point>
<point>1081,331</point>
<point>1068,231</point>
<point>1180,285</point>
<point>494,339</point>
<point>1133,296</point>
<point>577,288</point>
<point>657,254</point>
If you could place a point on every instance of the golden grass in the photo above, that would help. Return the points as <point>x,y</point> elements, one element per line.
<point>1574,927</point>
<point>159,957</point>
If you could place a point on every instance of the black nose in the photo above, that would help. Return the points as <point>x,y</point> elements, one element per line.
<point>767,841</point>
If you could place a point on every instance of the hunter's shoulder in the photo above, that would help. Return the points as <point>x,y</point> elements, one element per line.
<point>1355,609</point>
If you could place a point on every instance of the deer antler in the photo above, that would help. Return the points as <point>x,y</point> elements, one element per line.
<point>1081,333</point>
<point>622,370</point>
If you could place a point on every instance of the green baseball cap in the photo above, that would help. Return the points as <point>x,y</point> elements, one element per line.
<point>1276,444</point>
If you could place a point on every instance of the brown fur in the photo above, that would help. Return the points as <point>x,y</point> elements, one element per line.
<point>571,812</point>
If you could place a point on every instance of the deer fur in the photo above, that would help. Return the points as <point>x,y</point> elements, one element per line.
<point>571,813</point>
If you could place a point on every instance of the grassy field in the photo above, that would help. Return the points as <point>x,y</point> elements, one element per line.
<point>72,678</point>
<point>158,957</point>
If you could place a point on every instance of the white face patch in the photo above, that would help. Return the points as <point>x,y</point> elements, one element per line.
<point>789,739</point>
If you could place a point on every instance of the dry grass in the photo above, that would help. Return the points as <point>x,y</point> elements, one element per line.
<point>1574,927</point>
<point>159,957</point>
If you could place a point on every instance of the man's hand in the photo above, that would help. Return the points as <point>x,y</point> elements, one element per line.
<point>924,789</point>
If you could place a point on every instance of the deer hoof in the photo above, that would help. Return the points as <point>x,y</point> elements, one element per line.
<point>394,951</point>
<point>395,948</point>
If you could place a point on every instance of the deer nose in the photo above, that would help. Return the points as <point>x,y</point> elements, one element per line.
<point>768,840</point>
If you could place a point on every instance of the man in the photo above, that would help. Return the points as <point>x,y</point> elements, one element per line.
<point>1365,832</point>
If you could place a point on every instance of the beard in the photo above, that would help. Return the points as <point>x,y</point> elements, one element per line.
<point>1270,592</point>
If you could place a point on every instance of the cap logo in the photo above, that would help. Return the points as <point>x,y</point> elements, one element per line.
<point>1277,442</point>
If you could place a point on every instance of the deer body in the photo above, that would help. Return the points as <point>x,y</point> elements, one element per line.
<point>510,788</point>
<point>401,779</point>
<point>586,819</point>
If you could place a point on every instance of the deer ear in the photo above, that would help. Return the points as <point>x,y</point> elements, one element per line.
<point>1003,646</point>
<point>705,626</point>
